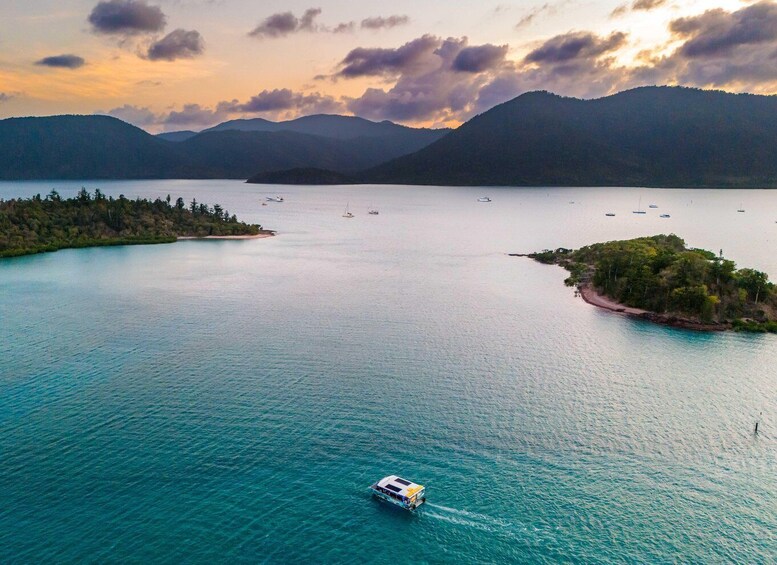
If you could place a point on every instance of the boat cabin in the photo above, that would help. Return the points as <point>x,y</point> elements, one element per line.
<point>400,491</point>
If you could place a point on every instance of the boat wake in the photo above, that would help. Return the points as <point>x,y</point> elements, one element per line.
<point>473,519</point>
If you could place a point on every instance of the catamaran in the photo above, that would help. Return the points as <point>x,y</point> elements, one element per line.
<point>399,491</point>
<point>275,198</point>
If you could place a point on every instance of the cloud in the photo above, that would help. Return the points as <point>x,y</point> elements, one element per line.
<point>5,97</point>
<point>136,115</point>
<point>345,27</point>
<point>429,86</point>
<point>734,50</point>
<point>380,22</point>
<point>178,44</point>
<point>285,23</point>
<point>575,45</point>
<point>717,31</point>
<point>377,61</point>
<point>480,58</point>
<point>126,17</point>
<point>284,100</point>
<point>62,61</point>
<point>193,115</point>
<point>549,8</point>
<point>647,4</point>
<point>637,5</point>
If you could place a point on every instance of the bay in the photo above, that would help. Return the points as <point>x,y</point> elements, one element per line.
<point>232,400</point>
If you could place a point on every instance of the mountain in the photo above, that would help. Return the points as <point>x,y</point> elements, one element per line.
<point>337,127</point>
<point>80,147</point>
<point>650,136</point>
<point>240,154</point>
<point>176,135</point>
<point>103,147</point>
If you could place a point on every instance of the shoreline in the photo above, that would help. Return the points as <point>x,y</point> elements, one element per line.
<point>590,296</point>
<point>225,237</point>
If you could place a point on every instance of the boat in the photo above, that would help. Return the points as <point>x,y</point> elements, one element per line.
<point>275,198</point>
<point>347,213</point>
<point>639,209</point>
<point>484,199</point>
<point>741,208</point>
<point>665,216</point>
<point>399,491</point>
<point>653,206</point>
<point>373,212</point>
<point>610,214</point>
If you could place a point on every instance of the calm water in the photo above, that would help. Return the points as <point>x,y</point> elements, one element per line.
<point>231,401</point>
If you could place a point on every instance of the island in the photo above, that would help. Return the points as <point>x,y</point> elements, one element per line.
<point>662,280</point>
<point>41,224</point>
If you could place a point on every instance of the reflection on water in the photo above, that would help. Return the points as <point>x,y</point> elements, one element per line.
<point>212,400</point>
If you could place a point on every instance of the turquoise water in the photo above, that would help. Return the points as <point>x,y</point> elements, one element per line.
<point>231,401</point>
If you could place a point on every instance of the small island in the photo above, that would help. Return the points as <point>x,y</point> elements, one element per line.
<point>41,224</point>
<point>662,280</point>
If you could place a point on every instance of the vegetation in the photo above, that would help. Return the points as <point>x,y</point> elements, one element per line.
<point>102,147</point>
<point>660,274</point>
<point>38,224</point>
<point>651,136</point>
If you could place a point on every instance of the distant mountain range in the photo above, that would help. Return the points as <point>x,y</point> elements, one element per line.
<point>651,136</point>
<point>101,147</point>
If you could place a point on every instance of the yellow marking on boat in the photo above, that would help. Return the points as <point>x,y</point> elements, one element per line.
<point>413,490</point>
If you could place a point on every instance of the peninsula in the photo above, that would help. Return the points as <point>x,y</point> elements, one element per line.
<point>662,280</point>
<point>39,224</point>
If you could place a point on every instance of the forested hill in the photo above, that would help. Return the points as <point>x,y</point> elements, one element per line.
<point>102,147</point>
<point>651,136</point>
<point>662,275</point>
<point>39,224</point>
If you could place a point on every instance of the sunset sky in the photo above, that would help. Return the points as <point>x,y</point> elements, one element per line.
<point>187,64</point>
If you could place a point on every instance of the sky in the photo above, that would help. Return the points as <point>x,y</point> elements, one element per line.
<point>167,65</point>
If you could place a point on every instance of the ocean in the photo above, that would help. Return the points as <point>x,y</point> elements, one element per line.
<point>231,401</point>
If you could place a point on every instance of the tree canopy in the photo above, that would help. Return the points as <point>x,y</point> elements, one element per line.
<point>661,274</point>
<point>49,223</point>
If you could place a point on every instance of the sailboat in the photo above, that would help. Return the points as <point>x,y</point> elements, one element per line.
<point>741,208</point>
<point>639,209</point>
<point>372,211</point>
<point>347,213</point>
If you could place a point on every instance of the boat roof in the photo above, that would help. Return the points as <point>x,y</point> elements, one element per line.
<point>400,486</point>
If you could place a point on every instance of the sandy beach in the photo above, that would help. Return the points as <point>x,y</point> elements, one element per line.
<point>595,299</point>
<point>257,236</point>
<point>592,297</point>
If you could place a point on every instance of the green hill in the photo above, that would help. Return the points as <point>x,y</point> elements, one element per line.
<point>652,136</point>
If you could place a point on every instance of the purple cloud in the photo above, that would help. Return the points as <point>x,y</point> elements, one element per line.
<point>127,17</point>
<point>178,44</point>
<point>62,61</point>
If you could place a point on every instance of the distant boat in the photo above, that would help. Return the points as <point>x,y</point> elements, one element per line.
<point>665,216</point>
<point>653,206</point>
<point>639,209</point>
<point>275,198</point>
<point>741,208</point>
<point>264,203</point>
<point>373,212</point>
<point>610,214</point>
<point>484,199</point>
<point>347,213</point>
